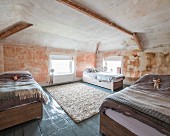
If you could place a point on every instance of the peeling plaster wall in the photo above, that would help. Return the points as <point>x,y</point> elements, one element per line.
<point>30,58</point>
<point>85,60</point>
<point>136,64</point>
<point>1,58</point>
<point>36,60</point>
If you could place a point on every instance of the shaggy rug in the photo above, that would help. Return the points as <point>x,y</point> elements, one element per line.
<point>79,100</point>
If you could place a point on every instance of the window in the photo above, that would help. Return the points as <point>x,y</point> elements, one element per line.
<point>113,64</point>
<point>62,64</point>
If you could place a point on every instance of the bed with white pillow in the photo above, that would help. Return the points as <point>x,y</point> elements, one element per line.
<point>103,79</point>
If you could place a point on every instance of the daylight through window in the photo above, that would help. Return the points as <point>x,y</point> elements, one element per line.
<point>62,64</point>
<point>113,64</point>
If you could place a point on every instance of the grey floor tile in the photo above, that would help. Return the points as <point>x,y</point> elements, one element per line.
<point>31,128</point>
<point>18,130</point>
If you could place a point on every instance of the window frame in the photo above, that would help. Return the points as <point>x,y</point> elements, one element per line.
<point>112,58</point>
<point>62,57</point>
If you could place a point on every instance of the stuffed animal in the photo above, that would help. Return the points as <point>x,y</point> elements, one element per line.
<point>15,77</point>
<point>157,83</point>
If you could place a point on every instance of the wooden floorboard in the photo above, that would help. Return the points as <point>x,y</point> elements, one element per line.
<point>56,122</point>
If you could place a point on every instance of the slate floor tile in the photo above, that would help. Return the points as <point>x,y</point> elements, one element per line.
<point>47,127</point>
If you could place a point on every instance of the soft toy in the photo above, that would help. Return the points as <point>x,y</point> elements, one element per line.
<point>15,77</point>
<point>156,82</point>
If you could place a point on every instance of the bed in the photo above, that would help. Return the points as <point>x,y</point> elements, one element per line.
<point>139,109</point>
<point>103,79</point>
<point>21,98</point>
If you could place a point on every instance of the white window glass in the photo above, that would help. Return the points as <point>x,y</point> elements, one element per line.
<point>62,66</point>
<point>112,66</point>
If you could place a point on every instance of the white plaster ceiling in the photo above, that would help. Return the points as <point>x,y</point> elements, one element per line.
<point>56,25</point>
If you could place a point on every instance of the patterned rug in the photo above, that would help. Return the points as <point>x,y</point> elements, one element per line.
<point>79,100</point>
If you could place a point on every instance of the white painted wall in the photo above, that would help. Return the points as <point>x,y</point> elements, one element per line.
<point>63,78</point>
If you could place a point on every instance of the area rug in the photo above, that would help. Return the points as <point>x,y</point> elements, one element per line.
<point>80,101</point>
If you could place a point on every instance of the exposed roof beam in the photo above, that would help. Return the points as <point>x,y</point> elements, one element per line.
<point>101,19</point>
<point>13,29</point>
<point>97,48</point>
<point>137,40</point>
<point>94,15</point>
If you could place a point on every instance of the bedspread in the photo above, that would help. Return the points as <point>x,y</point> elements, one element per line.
<point>24,88</point>
<point>108,77</point>
<point>104,76</point>
<point>144,98</point>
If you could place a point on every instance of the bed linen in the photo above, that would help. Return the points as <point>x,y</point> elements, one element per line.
<point>108,77</point>
<point>24,90</point>
<point>92,75</point>
<point>142,98</point>
<point>103,76</point>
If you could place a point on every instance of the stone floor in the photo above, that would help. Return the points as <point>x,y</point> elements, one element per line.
<point>56,122</point>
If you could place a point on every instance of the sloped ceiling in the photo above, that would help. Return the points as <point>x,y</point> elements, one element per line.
<point>57,25</point>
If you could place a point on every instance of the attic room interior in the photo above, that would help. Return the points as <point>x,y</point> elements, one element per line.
<point>84,68</point>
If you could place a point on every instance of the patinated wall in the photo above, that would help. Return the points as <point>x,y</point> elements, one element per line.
<point>136,64</point>
<point>30,58</point>
<point>36,60</point>
<point>1,58</point>
<point>85,60</point>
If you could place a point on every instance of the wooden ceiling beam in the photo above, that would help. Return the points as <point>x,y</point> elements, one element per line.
<point>94,15</point>
<point>10,30</point>
<point>138,42</point>
<point>101,19</point>
<point>97,48</point>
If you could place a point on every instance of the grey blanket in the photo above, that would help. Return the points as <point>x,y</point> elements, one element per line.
<point>24,88</point>
<point>142,97</point>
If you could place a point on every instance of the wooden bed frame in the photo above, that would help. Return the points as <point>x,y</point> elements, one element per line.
<point>109,85</point>
<point>20,114</point>
<point>109,127</point>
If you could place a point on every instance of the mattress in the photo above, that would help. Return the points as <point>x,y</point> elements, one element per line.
<point>132,124</point>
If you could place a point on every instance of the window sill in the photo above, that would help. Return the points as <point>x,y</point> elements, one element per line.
<point>63,74</point>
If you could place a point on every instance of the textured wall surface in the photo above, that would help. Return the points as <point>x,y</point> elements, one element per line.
<point>31,58</point>
<point>36,60</point>
<point>1,58</point>
<point>85,60</point>
<point>136,64</point>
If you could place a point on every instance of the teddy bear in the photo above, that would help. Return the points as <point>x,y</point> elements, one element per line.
<point>15,77</point>
<point>157,83</point>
